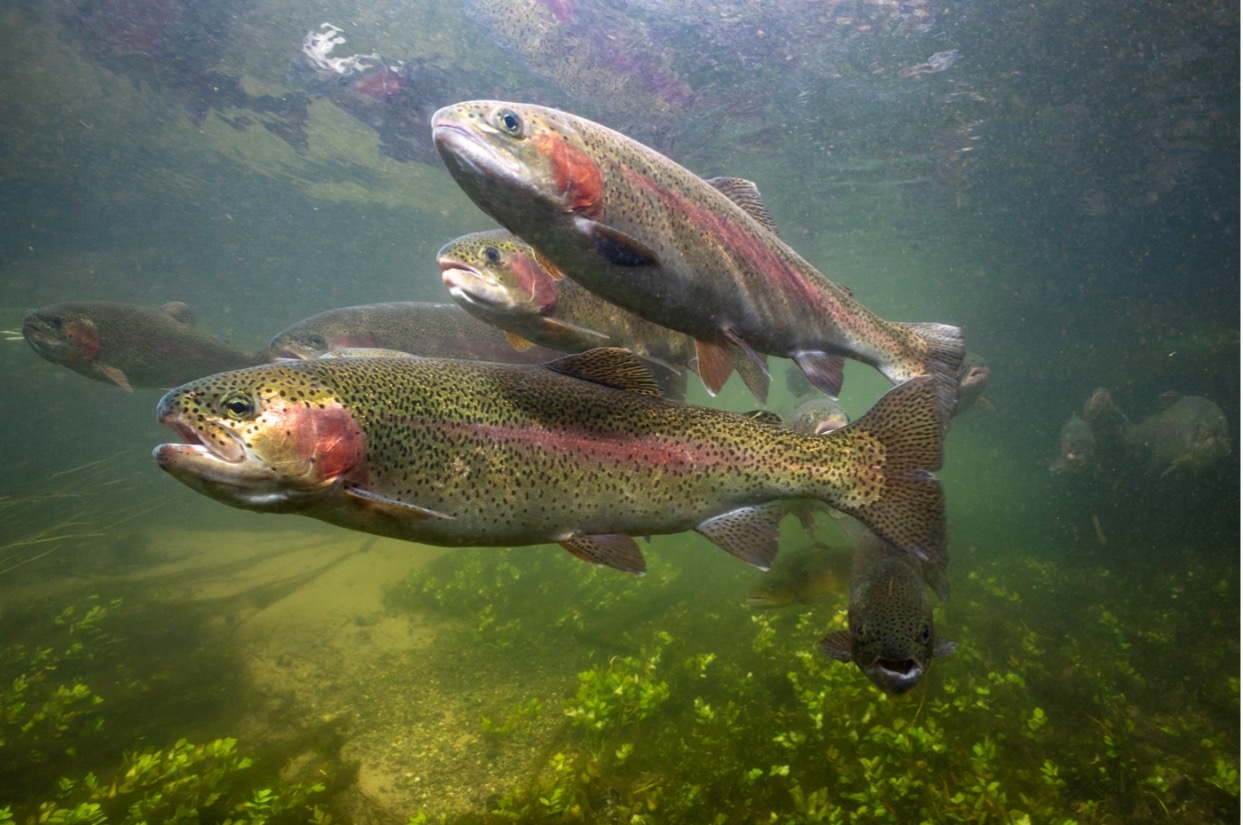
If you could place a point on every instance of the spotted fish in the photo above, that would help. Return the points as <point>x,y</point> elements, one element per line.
<point>129,345</point>
<point>702,257</point>
<point>434,330</point>
<point>890,634</point>
<point>581,451</point>
<point>500,279</point>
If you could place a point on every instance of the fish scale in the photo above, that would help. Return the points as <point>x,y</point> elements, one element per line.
<point>581,451</point>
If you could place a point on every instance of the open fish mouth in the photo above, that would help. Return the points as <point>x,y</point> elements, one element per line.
<point>466,283</point>
<point>896,676</point>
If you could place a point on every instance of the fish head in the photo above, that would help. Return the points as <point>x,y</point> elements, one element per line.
<point>772,589</point>
<point>817,416</point>
<point>305,341</point>
<point>513,159</point>
<point>298,344</point>
<point>973,377</point>
<point>892,645</point>
<point>494,274</point>
<point>62,335</point>
<point>269,438</point>
<point>1076,448</point>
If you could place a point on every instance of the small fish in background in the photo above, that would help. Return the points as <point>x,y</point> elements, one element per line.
<point>1189,434</point>
<point>699,256</point>
<point>1110,428</point>
<point>938,62</point>
<point>1076,451</point>
<point>801,577</point>
<point>973,378</point>
<point>582,452</point>
<point>890,634</point>
<point>130,346</point>
<point>502,280</point>
<point>817,415</point>
<point>427,329</point>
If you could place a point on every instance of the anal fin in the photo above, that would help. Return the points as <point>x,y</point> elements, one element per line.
<point>750,533</point>
<point>823,370</point>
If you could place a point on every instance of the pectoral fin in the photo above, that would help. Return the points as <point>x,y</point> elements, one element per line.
<point>565,326</point>
<point>114,375</point>
<point>943,647</point>
<point>390,507</point>
<point>617,247</point>
<point>616,550</point>
<point>518,342</point>
<point>837,646</point>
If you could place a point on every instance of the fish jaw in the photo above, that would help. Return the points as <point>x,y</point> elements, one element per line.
<point>286,458</point>
<point>895,676</point>
<point>472,287</point>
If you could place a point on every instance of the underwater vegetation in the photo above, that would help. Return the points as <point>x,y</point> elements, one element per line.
<point>63,706</point>
<point>699,710</point>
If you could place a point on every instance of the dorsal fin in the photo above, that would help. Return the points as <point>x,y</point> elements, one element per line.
<point>179,312</point>
<point>747,196</point>
<point>610,366</point>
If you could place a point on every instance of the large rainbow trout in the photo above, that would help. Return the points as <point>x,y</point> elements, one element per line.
<point>702,257</point>
<point>581,451</point>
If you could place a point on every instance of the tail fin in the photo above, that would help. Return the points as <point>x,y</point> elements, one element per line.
<point>909,513</point>
<point>944,356</point>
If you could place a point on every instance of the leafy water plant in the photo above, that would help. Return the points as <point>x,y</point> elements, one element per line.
<point>47,707</point>
<point>188,782</point>
<point>1048,714</point>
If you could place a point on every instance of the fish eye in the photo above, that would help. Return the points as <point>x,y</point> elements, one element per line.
<point>56,322</point>
<point>238,405</point>
<point>317,340</point>
<point>925,634</point>
<point>492,254</point>
<point>509,121</point>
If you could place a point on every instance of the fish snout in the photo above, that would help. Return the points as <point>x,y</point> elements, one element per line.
<point>896,676</point>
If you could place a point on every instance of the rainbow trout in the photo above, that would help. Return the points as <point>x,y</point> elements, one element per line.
<point>130,346</point>
<point>581,451</point>
<point>890,635</point>
<point>500,279</point>
<point>434,330</point>
<point>701,257</point>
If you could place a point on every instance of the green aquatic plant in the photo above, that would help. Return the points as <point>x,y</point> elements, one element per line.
<point>188,782</point>
<point>47,706</point>
<point>691,708</point>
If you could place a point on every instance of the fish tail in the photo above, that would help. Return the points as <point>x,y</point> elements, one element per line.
<point>905,428</point>
<point>943,356</point>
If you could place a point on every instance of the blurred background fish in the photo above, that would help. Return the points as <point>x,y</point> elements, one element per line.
<point>130,346</point>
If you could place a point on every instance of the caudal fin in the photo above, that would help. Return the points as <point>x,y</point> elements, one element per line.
<point>909,511</point>
<point>944,354</point>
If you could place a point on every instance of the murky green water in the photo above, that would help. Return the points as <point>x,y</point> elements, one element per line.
<point>1065,190</point>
